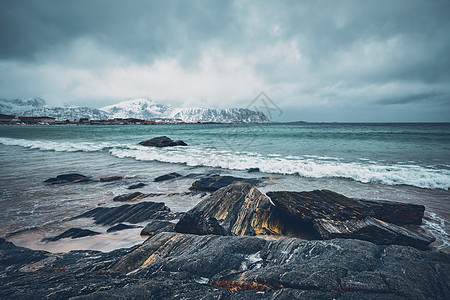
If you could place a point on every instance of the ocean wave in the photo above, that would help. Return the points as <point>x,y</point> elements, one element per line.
<point>366,171</point>
<point>306,166</point>
<point>58,146</point>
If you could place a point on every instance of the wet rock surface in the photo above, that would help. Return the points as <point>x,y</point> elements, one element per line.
<point>136,186</point>
<point>129,197</point>
<point>214,182</point>
<point>111,178</point>
<point>73,233</point>
<point>373,230</point>
<point>162,141</point>
<point>184,266</point>
<point>156,226</point>
<point>120,227</point>
<point>136,213</point>
<point>165,177</point>
<point>67,178</point>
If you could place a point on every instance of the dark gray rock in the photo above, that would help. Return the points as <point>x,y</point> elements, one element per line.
<point>252,170</point>
<point>120,227</point>
<point>73,233</point>
<point>324,204</point>
<point>372,230</point>
<point>238,209</point>
<point>394,212</point>
<point>162,141</point>
<point>344,269</point>
<point>111,178</point>
<point>68,178</point>
<point>318,204</point>
<point>196,223</point>
<point>136,213</point>
<point>136,186</point>
<point>215,182</point>
<point>156,226</point>
<point>129,197</point>
<point>169,176</point>
<point>184,266</point>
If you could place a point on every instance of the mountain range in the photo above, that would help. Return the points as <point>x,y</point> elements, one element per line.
<point>138,108</point>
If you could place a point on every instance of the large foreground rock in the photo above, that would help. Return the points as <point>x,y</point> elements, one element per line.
<point>240,209</point>
<point>183,266</point>
<point>162,141</point>
<point>292,267</point>
<point>215,182</point>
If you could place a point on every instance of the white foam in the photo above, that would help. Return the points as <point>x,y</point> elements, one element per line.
<point>60,146</point>
<point>306,166</point>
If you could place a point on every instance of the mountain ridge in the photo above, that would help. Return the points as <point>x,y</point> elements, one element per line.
<point>136,108</point>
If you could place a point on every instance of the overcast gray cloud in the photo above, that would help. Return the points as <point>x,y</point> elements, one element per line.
<point>318,60</point>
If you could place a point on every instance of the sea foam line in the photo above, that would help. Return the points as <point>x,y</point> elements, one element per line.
<point>58,146</point>
<point>366,172</point>
<point>306,166</point>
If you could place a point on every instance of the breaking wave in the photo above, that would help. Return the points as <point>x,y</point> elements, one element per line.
<point>361,170</point>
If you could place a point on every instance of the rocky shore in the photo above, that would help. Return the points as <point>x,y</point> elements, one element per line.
<point>239,243</point>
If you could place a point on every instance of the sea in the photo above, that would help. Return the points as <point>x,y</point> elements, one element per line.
<point>408,163</point>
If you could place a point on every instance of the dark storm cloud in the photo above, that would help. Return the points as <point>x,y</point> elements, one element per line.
<point>307,55</point>
<point>411,99</point>
<point>134,28</point>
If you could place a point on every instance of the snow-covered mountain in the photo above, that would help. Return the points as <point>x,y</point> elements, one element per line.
<point>19,106</point>
<point>37,107</point>
<point>148,109</point>
<point>140,109</point>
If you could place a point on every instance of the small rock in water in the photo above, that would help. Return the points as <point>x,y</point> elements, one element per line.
<point>156,226</point>
<point>215,182</point>
<point>136,186</point>
<point>169,176</point>
<point>111,178</point>
<point>135,213</point>
<point>162,141</point>
<point>73,233</point>
<point>252,170</point>
<point>67,178</point>
<point>129,197</point>
<point>120,227</point>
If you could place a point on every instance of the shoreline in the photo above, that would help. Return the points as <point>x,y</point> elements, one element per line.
<point>169,264</point>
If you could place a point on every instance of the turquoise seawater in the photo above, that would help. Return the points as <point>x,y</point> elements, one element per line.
<point>392,154</point>
<point>401,162</point>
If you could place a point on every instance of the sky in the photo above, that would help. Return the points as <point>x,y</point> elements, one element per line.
<point>330,61</point>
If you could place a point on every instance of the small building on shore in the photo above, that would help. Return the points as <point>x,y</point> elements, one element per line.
<point>7,118</point>
<point>37,120</point>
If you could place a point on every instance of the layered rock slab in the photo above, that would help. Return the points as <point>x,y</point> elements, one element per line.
<point>240,209</point>
<point>214,182</point>
<point>325,204</point>
<point>373,230</point>
<point>331,268</point>
<point>136,213</point>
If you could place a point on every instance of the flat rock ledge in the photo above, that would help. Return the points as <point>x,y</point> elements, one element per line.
<point>162,141</point>
<point>183,266</point>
